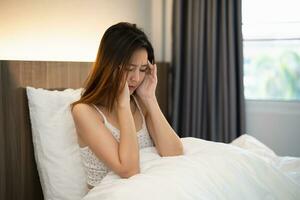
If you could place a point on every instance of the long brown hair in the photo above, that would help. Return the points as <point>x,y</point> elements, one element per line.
<point>109,72</point>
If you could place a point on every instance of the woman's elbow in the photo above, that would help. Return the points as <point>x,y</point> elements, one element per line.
<point>178,151</point>
<point>129,173</point>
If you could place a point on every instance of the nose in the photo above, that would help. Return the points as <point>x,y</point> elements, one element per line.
<point>135,76</point>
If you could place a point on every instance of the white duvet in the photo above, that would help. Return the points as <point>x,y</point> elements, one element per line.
<point>244,169</point>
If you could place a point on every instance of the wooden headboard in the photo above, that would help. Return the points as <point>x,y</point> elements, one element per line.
<point>18,172</point>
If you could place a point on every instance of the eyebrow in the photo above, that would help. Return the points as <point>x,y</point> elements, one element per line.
<point>134,65</point>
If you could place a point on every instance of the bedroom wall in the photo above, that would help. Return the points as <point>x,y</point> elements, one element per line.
<point>276,124</point>
<point>71,30</point>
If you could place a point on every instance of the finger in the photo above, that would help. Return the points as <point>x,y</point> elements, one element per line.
<point>155,70</point>
<point>151,67</point>
<point>150,64</point>
<point>126,85</point>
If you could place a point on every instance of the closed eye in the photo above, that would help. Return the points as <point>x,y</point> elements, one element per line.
<point>130,69</point>
<point>143,68</point>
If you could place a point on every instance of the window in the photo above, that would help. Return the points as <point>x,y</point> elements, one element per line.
<point>271,32</point>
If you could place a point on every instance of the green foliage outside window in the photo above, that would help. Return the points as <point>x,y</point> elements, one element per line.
<point>272,73</point>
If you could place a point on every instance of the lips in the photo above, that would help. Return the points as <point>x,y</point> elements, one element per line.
<point>132,87</point>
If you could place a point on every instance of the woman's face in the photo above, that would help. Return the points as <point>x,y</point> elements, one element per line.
<point>138,66</point>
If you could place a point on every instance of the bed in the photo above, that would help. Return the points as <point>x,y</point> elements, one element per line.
<point>21,178</point>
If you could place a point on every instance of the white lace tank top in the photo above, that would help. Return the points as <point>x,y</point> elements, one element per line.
<point>94,168</point>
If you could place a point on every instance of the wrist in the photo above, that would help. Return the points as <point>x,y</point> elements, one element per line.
<point>149,100</point>
<point>148,97</point>
<point>123,105</point>
<point>150,103</point>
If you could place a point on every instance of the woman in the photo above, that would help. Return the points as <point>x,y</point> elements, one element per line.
<point>118,112</point>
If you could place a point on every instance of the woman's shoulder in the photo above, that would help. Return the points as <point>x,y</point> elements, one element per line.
<point>81,107</point>
<point>86,110</point>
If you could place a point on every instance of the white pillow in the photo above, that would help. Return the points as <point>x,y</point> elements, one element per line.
<point>55,143</point>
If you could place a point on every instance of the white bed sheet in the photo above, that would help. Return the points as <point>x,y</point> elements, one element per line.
<point>244,169</point>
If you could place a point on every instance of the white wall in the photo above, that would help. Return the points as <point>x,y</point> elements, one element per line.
<point>276,124</point>
<point>71,30</point>
<point>161,24</point>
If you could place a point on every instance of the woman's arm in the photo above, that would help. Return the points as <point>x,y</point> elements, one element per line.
<point>128,147</point>
<point>166,140</point>
<point>122,157</point>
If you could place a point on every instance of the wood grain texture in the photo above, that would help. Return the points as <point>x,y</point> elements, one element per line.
<point>162,89</point>
<point>19,177</point>
<point>2,142</point>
